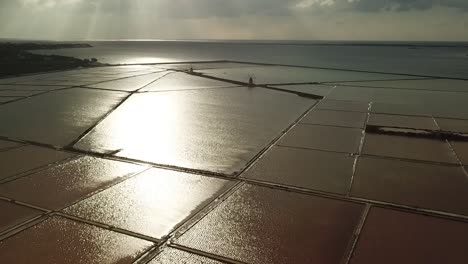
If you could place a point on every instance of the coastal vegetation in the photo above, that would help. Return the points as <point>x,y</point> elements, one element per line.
<point>16,58</point>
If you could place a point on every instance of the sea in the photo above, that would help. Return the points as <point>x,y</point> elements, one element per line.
<point>434,59</point>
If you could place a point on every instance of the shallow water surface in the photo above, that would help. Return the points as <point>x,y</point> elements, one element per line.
<point>56,118</point>
<point>216,130</point>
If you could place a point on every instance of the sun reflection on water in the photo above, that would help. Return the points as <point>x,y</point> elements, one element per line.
<point>166,122</point>
<point>207,129</point>
<point>143,60</point>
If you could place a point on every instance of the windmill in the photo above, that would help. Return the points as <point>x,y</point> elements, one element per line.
<point>251,81</point>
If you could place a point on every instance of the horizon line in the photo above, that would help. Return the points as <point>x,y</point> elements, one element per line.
<point>253,41</point>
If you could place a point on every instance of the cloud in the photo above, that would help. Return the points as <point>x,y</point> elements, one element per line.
<point>381,5</point>
<point>222,19</point>
<point>232,8</point>
<point>311,3</point>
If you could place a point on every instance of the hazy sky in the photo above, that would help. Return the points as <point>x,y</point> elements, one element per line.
<point>235,19</point>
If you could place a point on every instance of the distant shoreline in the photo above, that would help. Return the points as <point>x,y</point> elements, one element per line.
<point>15,58</point>
<point>344,43</point>
<point>42,46</point>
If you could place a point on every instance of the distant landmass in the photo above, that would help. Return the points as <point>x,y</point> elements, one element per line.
<point>15,58</point>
